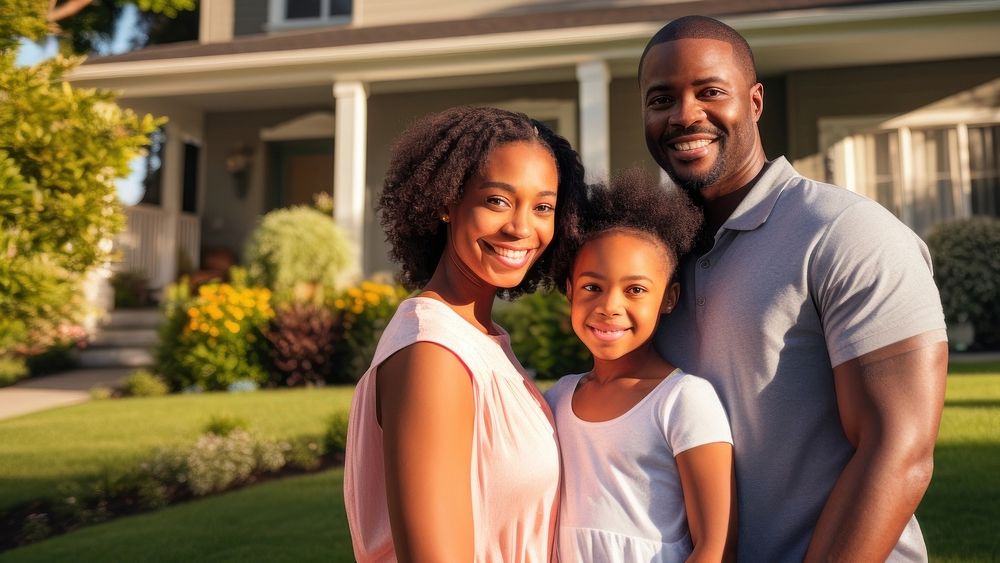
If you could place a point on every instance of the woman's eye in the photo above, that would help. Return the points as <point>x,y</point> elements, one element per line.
<point>496,200</point>
<point>590,287</point>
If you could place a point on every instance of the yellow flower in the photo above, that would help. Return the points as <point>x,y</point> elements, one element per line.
<point>193,312</point>
<point>372,298</point>
<point>214,331</point>
<point>358,308</point>
<point>340,304</point>
<point>233,327</point>
<point>203,327</point>
<point>353,292</point>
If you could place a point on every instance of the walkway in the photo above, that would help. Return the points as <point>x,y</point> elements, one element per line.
<point>69,388</point>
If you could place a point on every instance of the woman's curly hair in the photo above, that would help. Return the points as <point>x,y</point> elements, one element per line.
<point>634,202</point>
<point>433,160</point>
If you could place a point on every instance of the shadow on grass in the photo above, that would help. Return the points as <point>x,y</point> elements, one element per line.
<point>960,511</point>
<point>973,403</point>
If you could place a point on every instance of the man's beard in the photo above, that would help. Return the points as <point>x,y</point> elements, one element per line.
<point>694,185</point>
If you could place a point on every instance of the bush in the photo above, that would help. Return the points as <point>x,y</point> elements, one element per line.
<point>225,424</point>
<point>302,340</point>
<point>542,336</point>
<point>966,256</point>
<point>296,246</point>
<point>335,439</point>
<point>216,463</point>
<point>363,312</point>
<point>12,370</point>
<point>142,383</point>
<point>215,339</point>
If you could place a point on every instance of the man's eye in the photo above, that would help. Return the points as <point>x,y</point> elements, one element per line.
<point>659,101</point>
<point>712,93</point>
<point>545,208</point>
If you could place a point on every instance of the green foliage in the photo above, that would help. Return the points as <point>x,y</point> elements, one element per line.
<point>364,311</point>
<point>12,370</point>
<point>335,439</point>
<point>298,246</point>
<point>225,424</point>
<point>542,336</point>
<point>966,256</point>
<point>61,149</point>
<point>214,339</point>
<point>301,338</point>
<point>142,383</point>
<point>22,18</point>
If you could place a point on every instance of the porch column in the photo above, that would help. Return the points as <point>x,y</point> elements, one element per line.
<point>170,202</point>
<point>595,145</point>
<point>350,143</point>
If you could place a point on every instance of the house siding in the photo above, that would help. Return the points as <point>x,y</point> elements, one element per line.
<point>871,90</point>
<point>384,12</point>
<point>250,17</point>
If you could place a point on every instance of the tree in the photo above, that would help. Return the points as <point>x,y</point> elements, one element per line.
<point>83,25</point>
<point>61,150</point>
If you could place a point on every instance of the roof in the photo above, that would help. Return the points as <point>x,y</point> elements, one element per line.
<point>347,35</point>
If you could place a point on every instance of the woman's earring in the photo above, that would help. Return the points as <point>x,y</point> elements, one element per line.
<point>445,218</point>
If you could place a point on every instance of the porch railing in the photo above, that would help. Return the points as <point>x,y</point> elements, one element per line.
<point>146,246</point>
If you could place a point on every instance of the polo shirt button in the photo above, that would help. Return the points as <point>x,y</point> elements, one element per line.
<point>705,263</point>
<point>701,301</point>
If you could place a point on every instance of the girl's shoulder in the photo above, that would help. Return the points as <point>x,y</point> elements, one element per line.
<point>563,386</point>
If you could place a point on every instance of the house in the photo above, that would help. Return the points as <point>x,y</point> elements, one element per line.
<point>281,99</point>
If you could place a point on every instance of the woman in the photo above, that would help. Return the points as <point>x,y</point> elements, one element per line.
<point>451,452</point>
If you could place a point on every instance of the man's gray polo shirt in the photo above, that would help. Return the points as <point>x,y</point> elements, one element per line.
<point>802,277</point>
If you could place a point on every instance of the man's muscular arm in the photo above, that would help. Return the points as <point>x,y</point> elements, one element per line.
<point>890,403</point>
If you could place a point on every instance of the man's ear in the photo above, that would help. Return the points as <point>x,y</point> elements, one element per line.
<point>670,298</point>
<point>569,291</point>
<point>757,101</point>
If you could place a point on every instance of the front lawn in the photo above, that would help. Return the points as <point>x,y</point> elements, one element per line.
<point>43,450</point>
<point>294,520</point>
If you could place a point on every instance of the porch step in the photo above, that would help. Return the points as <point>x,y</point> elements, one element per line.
<point>131,357</point>
<point>133,318</point>
<point>125,338</point>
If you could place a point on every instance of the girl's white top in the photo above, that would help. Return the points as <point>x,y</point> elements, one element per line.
<point>622,499</point>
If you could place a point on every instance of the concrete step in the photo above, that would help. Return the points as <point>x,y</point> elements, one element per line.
<point>133,318</point>
<point>125,338</point>
<point>132,357</point>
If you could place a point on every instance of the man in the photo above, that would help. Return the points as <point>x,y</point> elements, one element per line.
<point>811,309</point>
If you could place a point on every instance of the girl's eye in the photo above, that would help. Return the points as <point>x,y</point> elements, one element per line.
<point>636,290</point>
<point>590,287</point>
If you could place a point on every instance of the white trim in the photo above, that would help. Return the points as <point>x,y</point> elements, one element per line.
<point>595,118</point>
<point>351,99</point>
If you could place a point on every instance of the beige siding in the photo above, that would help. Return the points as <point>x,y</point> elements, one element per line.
<point>874,90</point>
<point>628,145</point>
<point>381,12</point>
<point>250,17</point>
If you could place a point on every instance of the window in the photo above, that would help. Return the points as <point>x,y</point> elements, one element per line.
<point>924,174</point>
<point>285,14</point>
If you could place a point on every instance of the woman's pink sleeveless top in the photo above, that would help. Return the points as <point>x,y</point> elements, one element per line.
<point>515,455</point>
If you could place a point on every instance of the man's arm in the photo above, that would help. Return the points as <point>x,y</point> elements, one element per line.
<point>890,403</point>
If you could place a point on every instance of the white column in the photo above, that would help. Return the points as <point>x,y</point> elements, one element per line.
<point>595,138</point>
<point>350,145</point>
<point>170,202</point>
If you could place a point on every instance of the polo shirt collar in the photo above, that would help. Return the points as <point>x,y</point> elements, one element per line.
<point>756,207</point>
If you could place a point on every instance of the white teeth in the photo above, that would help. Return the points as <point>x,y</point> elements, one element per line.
<point>512,254</point>
<point>616,331</point>
<point>691,145</point>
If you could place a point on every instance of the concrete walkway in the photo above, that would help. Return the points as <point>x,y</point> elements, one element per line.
<point>59,390</point>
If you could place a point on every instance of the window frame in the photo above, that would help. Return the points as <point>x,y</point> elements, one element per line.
<point>276,20</point>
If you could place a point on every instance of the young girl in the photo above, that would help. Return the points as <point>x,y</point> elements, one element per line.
<point>451,451</point>
<point>646,448</point>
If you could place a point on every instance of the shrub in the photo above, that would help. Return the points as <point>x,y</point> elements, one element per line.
<point>216,463</point>
<point>299,245</point>
<point>302,340</point>
<point>12,370</point>
<point>62,149</point>
<point>542,336</point>
<point>966,256</point>
<point>217,339</point>
<point>363,312</point>
<point>142,383</point>
<point>335,439</point>
<point>225,424</point>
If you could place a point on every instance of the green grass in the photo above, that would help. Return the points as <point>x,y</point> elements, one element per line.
<point>960,512</point>
<point>295,520</point>
<point>43,450</point>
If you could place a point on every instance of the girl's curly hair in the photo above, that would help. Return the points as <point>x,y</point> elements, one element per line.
<point>433,160</point>
<point>634,202</point>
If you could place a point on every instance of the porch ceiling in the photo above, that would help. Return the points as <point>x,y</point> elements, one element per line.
<point>782,42</point>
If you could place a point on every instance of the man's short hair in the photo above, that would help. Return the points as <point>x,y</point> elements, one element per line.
<point>703,27</point>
